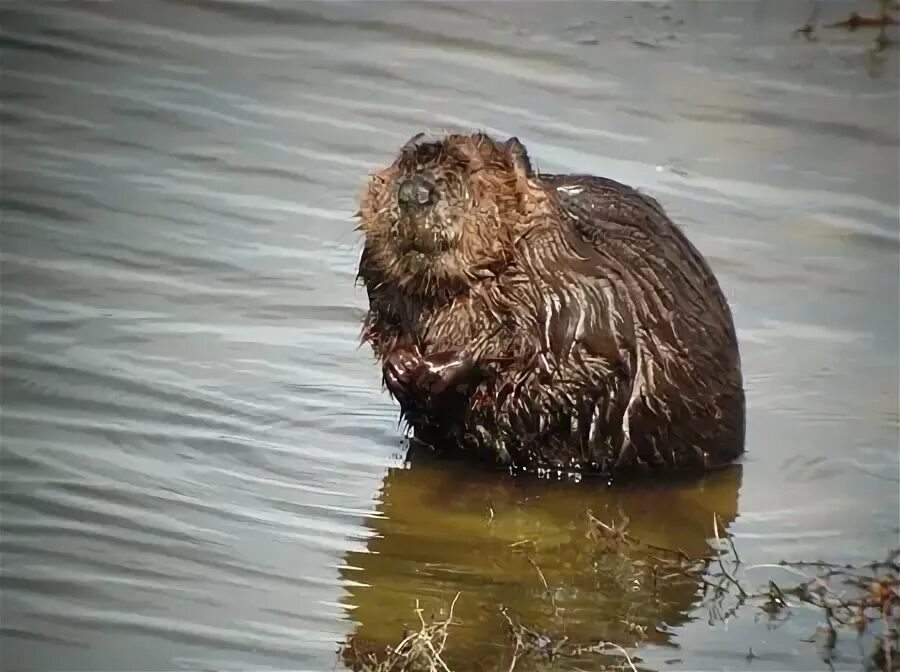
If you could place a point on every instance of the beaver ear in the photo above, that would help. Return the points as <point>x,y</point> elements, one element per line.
<point>411,144</point>
<point>518,156</point>
<point>421,146</point>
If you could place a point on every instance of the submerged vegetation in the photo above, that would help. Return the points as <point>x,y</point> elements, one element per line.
<point>861,602</point>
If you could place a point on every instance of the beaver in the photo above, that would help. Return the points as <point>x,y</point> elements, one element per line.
<point>544,322</point>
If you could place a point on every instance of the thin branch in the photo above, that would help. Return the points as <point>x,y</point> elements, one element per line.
<point>722,564</point>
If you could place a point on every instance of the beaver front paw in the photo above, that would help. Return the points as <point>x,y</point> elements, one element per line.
<point>400,372</point>
<point>411,376</point>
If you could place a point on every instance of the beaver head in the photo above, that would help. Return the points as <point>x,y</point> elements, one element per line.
<point>447,212</point>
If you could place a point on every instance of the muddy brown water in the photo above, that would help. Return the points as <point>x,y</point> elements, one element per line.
<point>199,467</point>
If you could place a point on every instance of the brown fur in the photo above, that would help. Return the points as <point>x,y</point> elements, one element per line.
<point>546,321</point>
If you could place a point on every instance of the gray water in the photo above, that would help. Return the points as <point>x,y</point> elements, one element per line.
<point>199,467</point>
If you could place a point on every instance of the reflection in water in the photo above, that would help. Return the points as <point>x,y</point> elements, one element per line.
<point>494,539</point>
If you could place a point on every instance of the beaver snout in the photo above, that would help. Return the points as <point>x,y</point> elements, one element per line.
<point>422,226</point>
<point>416,192</point>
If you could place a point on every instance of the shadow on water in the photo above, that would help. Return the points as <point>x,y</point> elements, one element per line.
<point>526,546</point>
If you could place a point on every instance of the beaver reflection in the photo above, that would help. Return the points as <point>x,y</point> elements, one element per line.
<point>443,529</point>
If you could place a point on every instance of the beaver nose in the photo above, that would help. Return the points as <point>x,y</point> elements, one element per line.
<point>416,192</point>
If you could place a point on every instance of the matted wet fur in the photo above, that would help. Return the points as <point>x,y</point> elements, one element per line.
<point>544,321</point>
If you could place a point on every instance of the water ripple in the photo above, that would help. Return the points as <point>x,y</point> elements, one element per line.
<point>196,450</point>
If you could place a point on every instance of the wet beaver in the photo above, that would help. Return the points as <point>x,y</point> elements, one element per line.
<point>544,321</point>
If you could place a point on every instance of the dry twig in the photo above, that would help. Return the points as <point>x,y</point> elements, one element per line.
<point>416,651</point>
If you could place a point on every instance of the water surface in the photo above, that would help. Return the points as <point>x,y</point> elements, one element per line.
<point>200,469</point>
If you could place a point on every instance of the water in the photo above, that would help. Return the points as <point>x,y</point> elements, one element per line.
<point>200,470</point>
